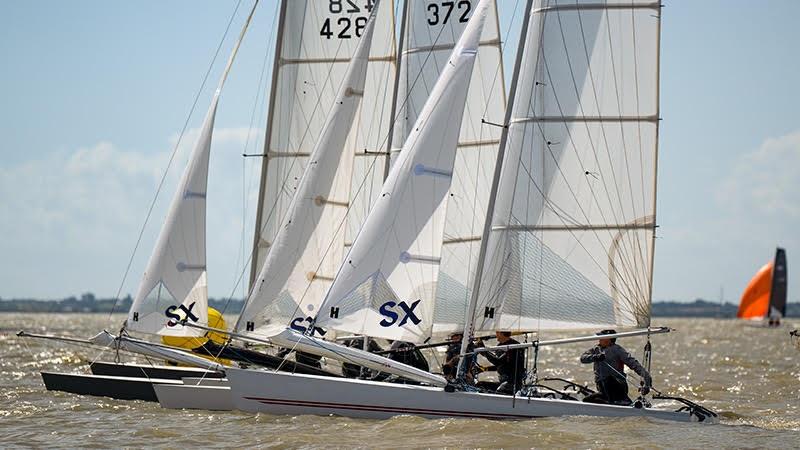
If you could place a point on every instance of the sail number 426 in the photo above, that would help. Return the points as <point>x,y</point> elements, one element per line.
<point>440,12</point>
<point>345,27</point>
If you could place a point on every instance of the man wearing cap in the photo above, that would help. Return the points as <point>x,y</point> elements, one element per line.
<point>509,364</point>
<point>609,361</point>
<point>451,358</point>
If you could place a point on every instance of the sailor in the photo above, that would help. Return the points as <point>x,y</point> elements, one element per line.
<point>609,361</point>
<point>451,358</point>
<point>509,364</point>
<point>302,358</point>
<point>408,353</point>
<point>350,370</point>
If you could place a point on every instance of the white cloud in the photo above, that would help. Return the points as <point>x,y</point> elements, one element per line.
<point>765,181</point>
<point>69,220</point>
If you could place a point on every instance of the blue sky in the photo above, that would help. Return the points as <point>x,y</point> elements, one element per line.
<point>95,93</point>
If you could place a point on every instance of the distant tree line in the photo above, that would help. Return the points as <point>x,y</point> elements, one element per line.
<point>88,303</point>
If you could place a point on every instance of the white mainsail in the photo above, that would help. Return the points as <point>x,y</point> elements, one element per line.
<point>571,243</point>
<point>316,40</point>
<point>310,244</point>
<point>431,32</point>
<point>385,286</point>
<point>174,286</point>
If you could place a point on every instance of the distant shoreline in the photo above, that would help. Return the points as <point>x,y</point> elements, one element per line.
<point>88,303</point>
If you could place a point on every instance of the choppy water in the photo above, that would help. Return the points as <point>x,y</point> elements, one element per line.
<point>750,375</point>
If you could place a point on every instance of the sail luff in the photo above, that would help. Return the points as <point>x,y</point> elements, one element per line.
<point>655,161</point>
<point>396,89</point>
<point>469,324</point>
<point>777,295</point>
<point>310,229</point>
<point>257,230</point>
<point>174,285</point>
<point>392,265</point>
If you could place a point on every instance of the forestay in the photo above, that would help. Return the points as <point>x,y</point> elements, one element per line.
<point>385,286</point>
<point>431,33</point>
<point>316,39</point>
<point>174,286</point>
<point>297,271</point>
<point>571,243</point>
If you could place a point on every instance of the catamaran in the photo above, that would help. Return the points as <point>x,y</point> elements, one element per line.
<point>567,240</point>
<point>542,220</point>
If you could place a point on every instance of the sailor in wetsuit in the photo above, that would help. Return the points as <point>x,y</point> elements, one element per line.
<point>408,353</point>
<point>609,361</point>
<point>509,364</point>
<point>451,359</point>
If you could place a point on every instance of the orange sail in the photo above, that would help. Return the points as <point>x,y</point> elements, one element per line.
<point>765,295</point>
<point>755,299</point>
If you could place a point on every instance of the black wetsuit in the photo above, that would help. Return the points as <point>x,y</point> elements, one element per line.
<point>411,356</point>
<point>510,367</point>
<point>451,359</point>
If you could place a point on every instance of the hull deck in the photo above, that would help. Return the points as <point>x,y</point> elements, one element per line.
<point>277,393</point>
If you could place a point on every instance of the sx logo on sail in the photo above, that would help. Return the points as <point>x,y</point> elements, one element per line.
<point>391,315</point>
<point>180,313</point>
<point>297,325</point>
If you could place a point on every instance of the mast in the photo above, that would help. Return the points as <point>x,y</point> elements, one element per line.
<point>267,140</point>
<point>396,88</point>
<point>469,322</point>
<point>655,159</point>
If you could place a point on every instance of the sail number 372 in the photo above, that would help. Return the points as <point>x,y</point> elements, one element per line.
<point>440,12</point>
<point>344,27</point>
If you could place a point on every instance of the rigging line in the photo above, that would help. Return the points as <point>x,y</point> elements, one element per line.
<point>569,133</point>
<point>350,203</point>
<point>372,164</point>
<point>480,167</point>
<point>171,158</point>
<point>294,160</point>
<point>256,102</point>
<point>541,192</point>
<point>580,106</point>
<point>569,187</point>
<point>597,102</point>
<point>622,128</point>
<point>639,124</point>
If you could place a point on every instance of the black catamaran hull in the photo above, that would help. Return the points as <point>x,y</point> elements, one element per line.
<point>121,388</point>
<point>122,381</point>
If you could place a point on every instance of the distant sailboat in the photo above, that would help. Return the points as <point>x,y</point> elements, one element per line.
<point>764,298</point>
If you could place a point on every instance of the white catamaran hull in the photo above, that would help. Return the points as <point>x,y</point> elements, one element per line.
<point>196,393</point>
<point>279,393</point>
